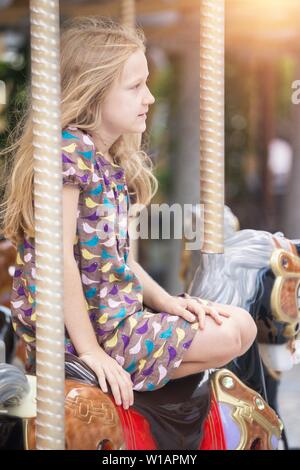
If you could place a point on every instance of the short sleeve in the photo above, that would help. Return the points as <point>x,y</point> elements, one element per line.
<point>78,153</point>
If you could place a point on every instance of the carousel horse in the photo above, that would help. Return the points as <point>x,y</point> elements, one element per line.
<point>259,272</point>
<point>200,412</point>
<point>203,411</point>
<point>15,349</point>
<point>7,261</point>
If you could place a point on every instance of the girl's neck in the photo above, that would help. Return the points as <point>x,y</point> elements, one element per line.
<point>103,147</point>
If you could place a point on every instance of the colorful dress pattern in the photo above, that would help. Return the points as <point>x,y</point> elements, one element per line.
<point>148,344</point>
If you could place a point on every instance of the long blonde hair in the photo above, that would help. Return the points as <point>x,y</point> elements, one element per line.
<point>93,53</point>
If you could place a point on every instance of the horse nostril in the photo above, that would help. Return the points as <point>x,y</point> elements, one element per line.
<point>256,444</point>
<point>106,444</point>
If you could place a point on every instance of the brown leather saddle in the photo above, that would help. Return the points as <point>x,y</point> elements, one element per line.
<point>175,413</point>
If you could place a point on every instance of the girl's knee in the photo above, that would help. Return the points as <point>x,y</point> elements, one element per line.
<point>229,340</point>
<point>232,342</point>
<point>247,326</point>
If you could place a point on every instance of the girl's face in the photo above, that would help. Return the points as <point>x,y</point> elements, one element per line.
<point>125,108</point>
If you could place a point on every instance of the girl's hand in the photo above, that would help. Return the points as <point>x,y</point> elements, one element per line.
<point>107,369</point>
<point>194,308</point>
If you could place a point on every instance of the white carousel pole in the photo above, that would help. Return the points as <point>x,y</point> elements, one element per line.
<point>45,49</point>
<point>128,13</point>
<point>212,123</point>
<point>128,18</point>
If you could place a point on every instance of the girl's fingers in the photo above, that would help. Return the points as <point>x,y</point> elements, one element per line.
<point>217,308</point>
<point>124,390</point>
<point>201,317</point>
<point>102,382</point>
<point>114,387</point>
<point>124,376</point>
<point>224,314</point>
<point>197,308</point>
<point>197,311</point>
<point>184,313</point>
<point>203,310</point>
<point>213,312</point>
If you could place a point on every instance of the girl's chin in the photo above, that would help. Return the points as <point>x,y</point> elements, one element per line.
<point>137,129</point>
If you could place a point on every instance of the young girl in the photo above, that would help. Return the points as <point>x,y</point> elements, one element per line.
<point>119,321</point>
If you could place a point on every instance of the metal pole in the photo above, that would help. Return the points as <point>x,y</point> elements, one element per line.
<point>128,13</point>
<point>48,223</point>
<point>212,123</point>
<point>128,17</point>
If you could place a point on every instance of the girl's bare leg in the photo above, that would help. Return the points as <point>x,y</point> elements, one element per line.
<point>217,345</point>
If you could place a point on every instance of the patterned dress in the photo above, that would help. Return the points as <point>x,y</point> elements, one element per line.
<point>148,344</point>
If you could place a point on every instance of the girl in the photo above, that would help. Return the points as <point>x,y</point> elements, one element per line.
<point>121,323</point>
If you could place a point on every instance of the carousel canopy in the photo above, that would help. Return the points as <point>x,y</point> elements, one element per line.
<point>268,26</point>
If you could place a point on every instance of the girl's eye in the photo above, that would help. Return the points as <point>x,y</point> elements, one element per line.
<point>139,84</point>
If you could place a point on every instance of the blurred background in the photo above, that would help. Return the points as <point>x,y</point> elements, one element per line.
<point>262,123</point>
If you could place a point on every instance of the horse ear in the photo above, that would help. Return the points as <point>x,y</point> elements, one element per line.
<point>285,296</point>
<point>266,427</point>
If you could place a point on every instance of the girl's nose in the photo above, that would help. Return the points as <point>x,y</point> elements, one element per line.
<point>150,98</point>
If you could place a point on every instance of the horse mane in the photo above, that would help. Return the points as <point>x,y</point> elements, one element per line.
<point>13,385</point>
<point>233,277</point>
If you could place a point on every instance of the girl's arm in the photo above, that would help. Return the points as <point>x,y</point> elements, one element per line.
<point>159,300</point>
<point>154,296</point>
<point>77,320</point>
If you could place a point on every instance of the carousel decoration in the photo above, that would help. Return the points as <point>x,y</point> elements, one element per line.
<point>259,272</point>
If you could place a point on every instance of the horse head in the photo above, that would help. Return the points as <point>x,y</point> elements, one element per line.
<point>259,272</point>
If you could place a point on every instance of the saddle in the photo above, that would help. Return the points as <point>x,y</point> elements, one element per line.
<point>175,414</point>
<point>202,411</point>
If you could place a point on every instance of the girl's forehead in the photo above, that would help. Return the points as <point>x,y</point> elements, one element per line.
<point>136,67</point>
